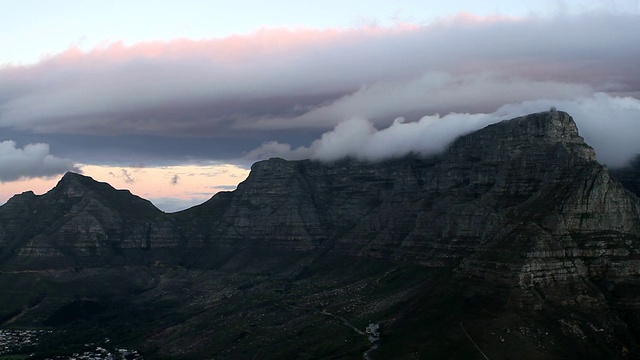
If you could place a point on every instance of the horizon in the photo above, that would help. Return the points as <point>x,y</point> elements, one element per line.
<point>174,101</point>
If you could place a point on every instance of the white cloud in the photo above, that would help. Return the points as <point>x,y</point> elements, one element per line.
<point>31,161</point>
<point>610,124</point>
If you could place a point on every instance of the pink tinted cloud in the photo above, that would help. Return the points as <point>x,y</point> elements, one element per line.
<point>263,42</point>
<point>293,78</point>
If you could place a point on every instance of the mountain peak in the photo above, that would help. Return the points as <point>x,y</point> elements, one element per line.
<point>553,123</point>
<point>557,126</point>
<point>21,198</point>
<point>73,176</point>
<point>74,184</point>
<point>539,133</point>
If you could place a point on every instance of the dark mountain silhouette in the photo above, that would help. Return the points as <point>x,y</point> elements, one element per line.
<point>514,242</point>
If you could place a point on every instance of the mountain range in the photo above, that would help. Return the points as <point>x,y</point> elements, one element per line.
<point>514,242</point>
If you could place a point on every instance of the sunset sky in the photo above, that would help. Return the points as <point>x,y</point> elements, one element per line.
<point>175,99</point>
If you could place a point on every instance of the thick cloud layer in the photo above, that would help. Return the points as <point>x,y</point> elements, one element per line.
<point>31,161</point>
<point>610,124</point>
<point>282,79</point>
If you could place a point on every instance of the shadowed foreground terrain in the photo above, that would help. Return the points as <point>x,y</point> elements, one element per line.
<point>513,243</point>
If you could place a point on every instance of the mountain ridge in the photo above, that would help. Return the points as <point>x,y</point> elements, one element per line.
<point>468,192</point>
<point>517,222</point>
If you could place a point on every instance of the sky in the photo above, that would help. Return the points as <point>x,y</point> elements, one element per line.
<point>175,100</point>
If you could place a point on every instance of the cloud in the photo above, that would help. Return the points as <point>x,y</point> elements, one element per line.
<point>124,174</point>
<point>360,139</point>
<point>610,124</point>
<point>427,94</point>
<point>128,178</point>
<point>174,179</point>
<point>276,149</point>
<point>31,161</point>
<point>279,79</point>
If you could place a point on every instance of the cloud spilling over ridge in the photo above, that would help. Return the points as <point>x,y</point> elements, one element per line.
<point>279,79</point>
<point>33,160</point>
<point>610,124</point>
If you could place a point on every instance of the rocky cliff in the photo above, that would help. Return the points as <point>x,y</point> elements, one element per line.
<point>519,213</point>
<point>521,192</point>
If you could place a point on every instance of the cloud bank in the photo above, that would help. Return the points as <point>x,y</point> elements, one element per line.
<point>31,161</point>
<point>280,79</point>
<point>610,124</point>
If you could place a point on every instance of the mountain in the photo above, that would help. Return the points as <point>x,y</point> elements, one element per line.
<point>514,242</point>
<point>78,219</point>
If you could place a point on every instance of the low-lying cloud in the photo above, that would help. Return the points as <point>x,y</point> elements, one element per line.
<point>610,124</point>
<point>31,161</point>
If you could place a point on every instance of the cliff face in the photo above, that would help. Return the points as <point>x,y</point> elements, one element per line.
<point>520,196</point>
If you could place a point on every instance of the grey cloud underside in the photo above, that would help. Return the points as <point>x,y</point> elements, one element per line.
<point>191,101</point>
<point>30,161</point>
<point>142,150</point>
